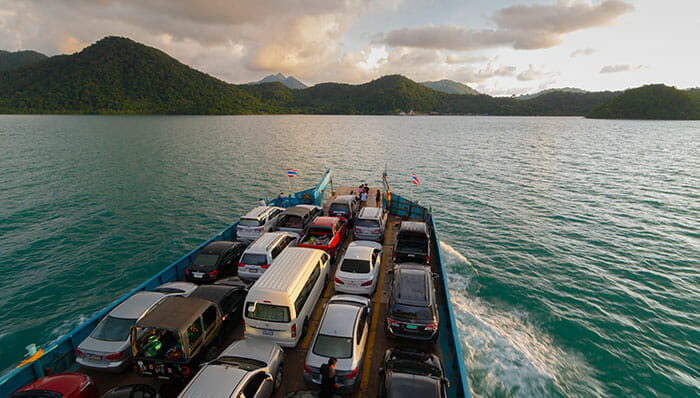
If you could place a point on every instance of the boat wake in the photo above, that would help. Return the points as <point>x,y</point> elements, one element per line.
<point>504,353</point>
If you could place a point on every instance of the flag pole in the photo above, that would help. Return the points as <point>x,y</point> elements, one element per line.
<point>289,184</point>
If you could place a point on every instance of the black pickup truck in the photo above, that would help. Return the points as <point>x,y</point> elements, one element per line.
<point>413,242</point>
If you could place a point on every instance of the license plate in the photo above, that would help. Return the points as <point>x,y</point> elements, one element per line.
<point>268,332</point>
<point>253,270</point>
<point>198,274</point>
<point>412,327</point>
<point>94,357</point>
<point>411,255</point>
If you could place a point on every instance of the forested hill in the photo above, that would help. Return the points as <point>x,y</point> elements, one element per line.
<point>118,75</point>
<point>17,59</point>
<point>655,101</point>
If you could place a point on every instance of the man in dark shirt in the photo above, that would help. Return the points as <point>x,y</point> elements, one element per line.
<point>328,384</point>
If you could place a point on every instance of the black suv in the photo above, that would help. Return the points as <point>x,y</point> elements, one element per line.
<point>213,260</point>
<point>412,311</point>
<point>228,297</point>
<point>413,242</point>
<point>414,372</point>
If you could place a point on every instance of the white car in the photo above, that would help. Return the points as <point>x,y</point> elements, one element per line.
<point>249,368</point>
<point>359,269</point>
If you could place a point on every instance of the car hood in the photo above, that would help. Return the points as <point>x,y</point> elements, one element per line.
<point>93,345</point>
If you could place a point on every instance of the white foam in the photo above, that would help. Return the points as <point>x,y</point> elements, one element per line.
<point>504,353</point>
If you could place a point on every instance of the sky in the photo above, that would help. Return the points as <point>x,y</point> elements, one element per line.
<point>498,47</point>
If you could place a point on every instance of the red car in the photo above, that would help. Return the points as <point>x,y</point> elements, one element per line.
<point>325,233</point>
<point>65,385</point>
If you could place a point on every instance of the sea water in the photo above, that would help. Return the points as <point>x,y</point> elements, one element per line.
<point>572,245</point>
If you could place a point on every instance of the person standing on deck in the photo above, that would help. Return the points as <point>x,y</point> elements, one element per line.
<point>328,384</point>
<point>378,198</point>
<point>261,202</point>
<point>363,198</point>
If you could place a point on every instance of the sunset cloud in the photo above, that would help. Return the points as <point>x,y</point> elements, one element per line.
<point>582,52</point>
<point>620,68</point>
<point>534,73</point>
<point>520,27</point>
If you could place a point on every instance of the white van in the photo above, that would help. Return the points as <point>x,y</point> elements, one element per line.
<point>279,305</point>
<point>258,221</point>
<point>258,257</point>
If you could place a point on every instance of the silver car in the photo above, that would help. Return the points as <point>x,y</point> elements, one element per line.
<point>370,224</point>
<point>107,348</point>
<point>176,288</point>
<point>252,367</point>
<point>258,221</point>
<point>342,334</point>
<point>359,269</point>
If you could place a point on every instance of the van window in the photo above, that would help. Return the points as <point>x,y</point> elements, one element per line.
<point>249,222</point>
<point>288,240</point>
<point>251,389</point>
<point>368,223</point>
<point>194,333</point>
<point>308,287</point>
<point>361,326</point>
<point>339,209</point>
<point>277,249</point>
<point>266,312</point>
<point>209,317</point>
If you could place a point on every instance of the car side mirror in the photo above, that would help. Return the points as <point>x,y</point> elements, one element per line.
<point>380,372</point>
<point>445,381</point>
<point>390,271</point>
<point>435,275</point>
<point>270,379</point>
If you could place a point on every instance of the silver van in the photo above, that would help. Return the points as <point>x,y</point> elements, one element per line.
<point>257,258</point>
<point>370,224</point>
<point>258,221</point>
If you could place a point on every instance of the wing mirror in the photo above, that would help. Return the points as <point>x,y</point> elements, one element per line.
<point>445,381</point>
<point>381,372</point>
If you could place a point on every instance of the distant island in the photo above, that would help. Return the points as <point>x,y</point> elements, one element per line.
<point>119,76</point>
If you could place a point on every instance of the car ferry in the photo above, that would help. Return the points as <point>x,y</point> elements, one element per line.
<point>389,362</point>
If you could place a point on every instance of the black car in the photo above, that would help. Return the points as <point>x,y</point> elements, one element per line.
<point>413,242</point>
<point>412,311</point>
<point>213,260</point>
<point>408,371</point>
<point>229,299</point>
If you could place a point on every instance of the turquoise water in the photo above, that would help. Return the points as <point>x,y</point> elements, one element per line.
<point>573,245</point>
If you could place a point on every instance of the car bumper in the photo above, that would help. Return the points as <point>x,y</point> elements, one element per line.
<point>104,366</point>
<point>398,331</point>
<point>344,385</point>
<point>361,290</point>
<point>372,237</point>
<point>250,276</point>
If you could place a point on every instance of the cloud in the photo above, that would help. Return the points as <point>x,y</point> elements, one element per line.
<point>620,68</point>
<point>462,59</point>
<point>70,45</point>
<point>534,73</point>
<point>582,51</point>
<point>520,26</point>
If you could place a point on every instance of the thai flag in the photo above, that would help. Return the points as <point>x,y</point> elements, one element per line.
<point>291,173</point>
<point>415,179</point>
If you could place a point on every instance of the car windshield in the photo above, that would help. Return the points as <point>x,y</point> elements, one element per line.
<point>113,329</point>
<point>414,243</point>
<point>267,312</point>
<point>254,259</point>
<point>333,346</point>
<point>412,312</point>
<point>241,363</point>
<point>367,224</point>
<point>355,266</point>
<point>206,260</point>
<point>338,208</point>
<point>249,222</point>
<point>414,387</point>
<point>413,367</point>
<point>291,221</point>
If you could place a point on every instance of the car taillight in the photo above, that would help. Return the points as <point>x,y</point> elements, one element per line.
<point>135,366</point>
<point>366,283</point>
<point>265,266</point>
<point>187,271</point>
<point>294,330</point>
<point>427,260</point>
<point>306,369</point>
<point>431,326</point>
<point>393,256</point>
<point>116,357</point>
<point>258,229</point>
<point>186,371</point>
<point>357,229</point>
<point>391,322</point>
<point>339,281</point>
<point>240,264</point>
<point>214,274</point>
<point>377,230</point>
<point>80,353</point>
<point>352,374</point>
<point>244,325</point>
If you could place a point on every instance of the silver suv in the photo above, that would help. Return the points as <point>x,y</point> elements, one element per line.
<point>258,221</point>
<point>370,224</point>
<point>259,255</point>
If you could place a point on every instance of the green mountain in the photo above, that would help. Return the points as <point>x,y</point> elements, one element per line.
<point>551,90</point>
<point>655,101</point>
<point>289,81</point>
<point>117,75</point>
<point>17,59</point>
<point>450,87</point>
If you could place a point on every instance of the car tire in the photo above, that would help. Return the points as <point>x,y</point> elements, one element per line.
<point>211,353</point>
<point>278,378</point>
